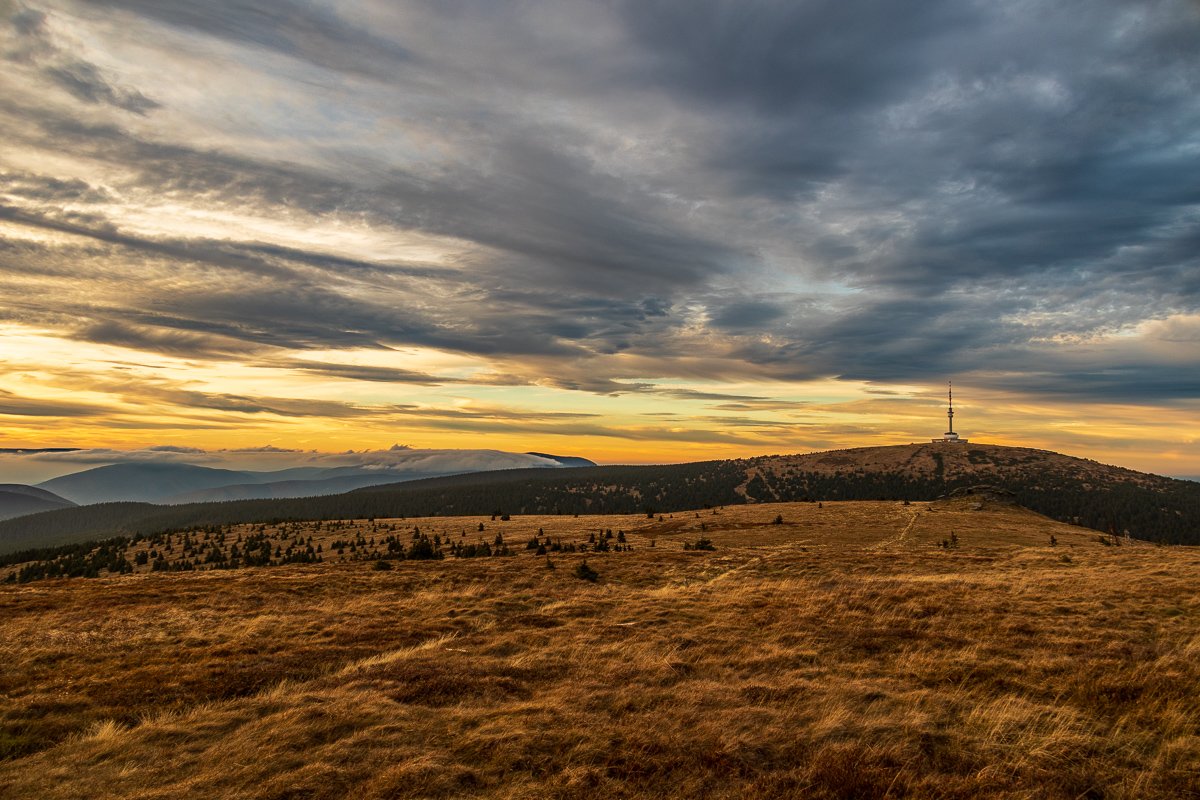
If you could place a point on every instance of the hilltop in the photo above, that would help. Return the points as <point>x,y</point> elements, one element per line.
<point>954,463</point>
<point>17,500</point>
<point>823,650</point>
<point>1080,491</point>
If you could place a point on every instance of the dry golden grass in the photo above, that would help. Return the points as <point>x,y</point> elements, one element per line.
<point>840,654</point>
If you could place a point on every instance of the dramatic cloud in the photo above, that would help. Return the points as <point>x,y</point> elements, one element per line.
<point>427,213</point>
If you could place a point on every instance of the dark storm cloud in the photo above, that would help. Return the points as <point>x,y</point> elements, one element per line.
<point>777,56</point>
<point>1036,144</point>
<point>644,190</point>
<point>742,315</point>
<point>790,82</point>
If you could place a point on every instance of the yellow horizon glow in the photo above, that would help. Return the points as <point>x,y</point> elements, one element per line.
<point>121,398</point>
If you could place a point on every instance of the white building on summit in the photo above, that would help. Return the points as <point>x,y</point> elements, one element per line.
<point>950,435</point>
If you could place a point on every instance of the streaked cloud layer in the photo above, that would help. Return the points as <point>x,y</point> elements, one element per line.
<point>634,230</point>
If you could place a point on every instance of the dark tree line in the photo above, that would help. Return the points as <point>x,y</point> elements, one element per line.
<point>216,547</point>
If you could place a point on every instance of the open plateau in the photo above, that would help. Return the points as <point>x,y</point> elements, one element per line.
<point>941,644</point>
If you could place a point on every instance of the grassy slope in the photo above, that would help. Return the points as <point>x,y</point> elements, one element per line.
<point>1066,488</point>
<point>840,654</point>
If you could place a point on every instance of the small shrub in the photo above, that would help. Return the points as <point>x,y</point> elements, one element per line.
<point>382,565</point>
<point>586,573</point>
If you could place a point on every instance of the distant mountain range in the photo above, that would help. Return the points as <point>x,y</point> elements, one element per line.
<point>17,499</point>
<point>173,484</point>
<point>1075,490</point>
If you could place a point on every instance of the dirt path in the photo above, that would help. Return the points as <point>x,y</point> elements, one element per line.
<point>898,539</point>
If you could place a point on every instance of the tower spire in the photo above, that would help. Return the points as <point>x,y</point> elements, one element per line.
<point>950,410</point>
<point>950,435</point>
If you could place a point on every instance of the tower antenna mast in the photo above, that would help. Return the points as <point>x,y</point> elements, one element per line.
<point>950,436</point>
<point>950,410</point>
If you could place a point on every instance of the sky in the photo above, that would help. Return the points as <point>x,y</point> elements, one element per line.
<point>642,231</point>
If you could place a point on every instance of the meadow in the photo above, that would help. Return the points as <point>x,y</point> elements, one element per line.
<point>841,652</point>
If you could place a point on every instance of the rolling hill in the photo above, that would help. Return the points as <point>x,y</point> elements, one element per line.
<point>174,484</point>
<point>311,487</point>
<point>17,499</point>
<point>141,482</point>
<point>1079,491</point>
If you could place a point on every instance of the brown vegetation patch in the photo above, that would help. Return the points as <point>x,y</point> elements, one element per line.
<point>842,653</point>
